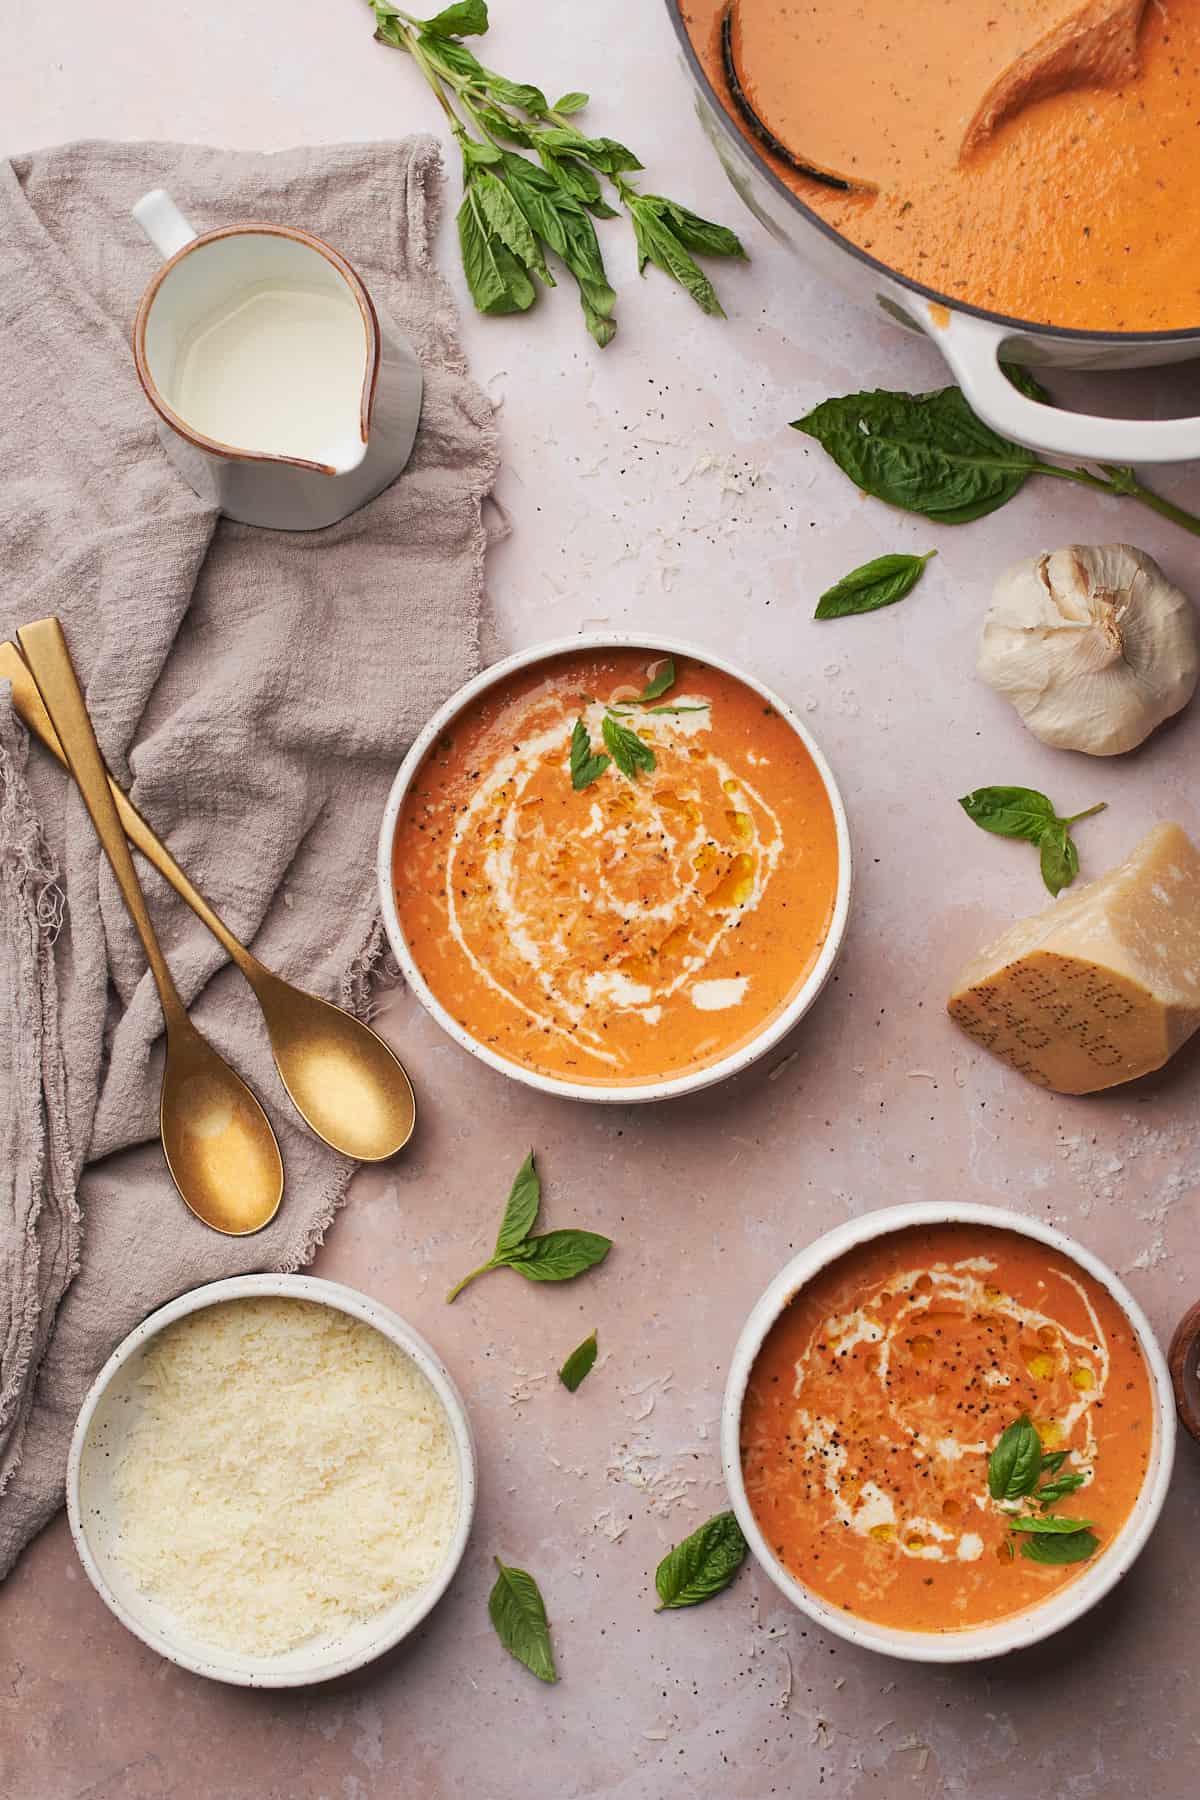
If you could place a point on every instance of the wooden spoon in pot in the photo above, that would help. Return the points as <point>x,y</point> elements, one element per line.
<point>343,1080</point>
<point>220,1149</point>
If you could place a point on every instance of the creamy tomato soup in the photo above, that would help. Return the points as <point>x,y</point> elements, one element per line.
<point>1077,209</point>
<point>880,1394</point>
<point>616,925</point>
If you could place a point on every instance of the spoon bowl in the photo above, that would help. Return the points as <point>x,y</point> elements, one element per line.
<point>220,1148</point>
<point>341,1077</point>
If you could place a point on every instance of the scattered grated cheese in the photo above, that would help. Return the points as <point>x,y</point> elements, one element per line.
<point>290,1471</point>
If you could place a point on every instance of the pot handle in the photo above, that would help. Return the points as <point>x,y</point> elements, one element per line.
<point>973,348</point>
<point>163,223</point>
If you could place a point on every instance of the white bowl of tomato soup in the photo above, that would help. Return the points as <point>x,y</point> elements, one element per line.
<point>947,1431</point>
<point>615,868</point>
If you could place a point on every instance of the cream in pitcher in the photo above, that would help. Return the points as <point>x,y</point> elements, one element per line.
<point>282,392</point>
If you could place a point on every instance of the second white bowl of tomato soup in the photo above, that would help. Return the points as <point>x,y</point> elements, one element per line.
<point>615,868</point>
<point>947,1431</point>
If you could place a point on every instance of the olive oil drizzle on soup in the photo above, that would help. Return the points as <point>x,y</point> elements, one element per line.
<point>1080,210</point>
<point>880,1392</point>
<point>634,929</point>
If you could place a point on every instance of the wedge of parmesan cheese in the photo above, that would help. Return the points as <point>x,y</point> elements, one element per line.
<point>289,1471</point>
<point>1104,985</point>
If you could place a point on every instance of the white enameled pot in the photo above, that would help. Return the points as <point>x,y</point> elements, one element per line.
<point>739,1059</point>
<point>1067,1603</point>
<point>971,339</point>
<point>201,273</point>
<point>94,1513</point>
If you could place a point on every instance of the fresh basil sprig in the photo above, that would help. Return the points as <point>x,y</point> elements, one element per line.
<point>702,1565</point>
<point>1017,812</point>
<point>930,454</point>
<point>1015,1467</point>
<point>517,1611</point>
<point>579,1364</point>
<point>878,583</point>
<point>554,1256</point>
<point>514,208</point>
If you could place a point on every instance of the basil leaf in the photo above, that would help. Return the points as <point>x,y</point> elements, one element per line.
<point>570,103</point>
<point>585,768</point>
<point>1053,1463</point>
<point>521,1208</point>
<point>1026,383</point>
<point>496,279</point>
<point>927,453</point>
<point>451,55</point>
<point>658,244</point>
<point>1055,1551</point>
<point>878,583</point>
<point>1060,858</point>
<point>1013,812</point>
<point>655,689</point>
<point>1051,1491</point>
<point>517,1611</point>
<point>475,152</point>
<point>703,1565</point>
<point>581,1360</point>
<point>558,1255</point>
<point>517,93</point>
<point>504,218</point>
<point>573,177</point>
<point>1052,1524</point>
<point>613,158</point>
<point>701,235</point>
<point>1016,1462</point>
<point>465,18</point>
<point>629,753</point>
<point>565,227</point>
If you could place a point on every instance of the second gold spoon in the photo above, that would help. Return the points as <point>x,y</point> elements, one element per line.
<point>343,1080</point>
<point>220,1148</point>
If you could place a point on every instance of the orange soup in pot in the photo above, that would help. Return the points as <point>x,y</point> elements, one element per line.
<point>614,890</point>
<point>991,160</point>
<point>872,1427</point>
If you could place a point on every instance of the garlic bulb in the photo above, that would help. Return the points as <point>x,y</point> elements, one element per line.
<point>1093,646</point>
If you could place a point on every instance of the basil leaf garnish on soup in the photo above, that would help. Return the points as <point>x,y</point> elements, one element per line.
<point>1016,1463</point>
<point>1055,1551</point>
<point>586,765</point>
<point>630,753</point>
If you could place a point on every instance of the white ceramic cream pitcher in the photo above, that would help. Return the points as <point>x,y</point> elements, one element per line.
<point>283,393</point>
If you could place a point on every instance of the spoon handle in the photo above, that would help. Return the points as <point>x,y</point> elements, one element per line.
<point>29,705</point>
<point>49,660</point>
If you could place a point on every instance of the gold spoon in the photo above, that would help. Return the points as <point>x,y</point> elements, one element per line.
<point>219,1145</point>
<point>343,1080</point>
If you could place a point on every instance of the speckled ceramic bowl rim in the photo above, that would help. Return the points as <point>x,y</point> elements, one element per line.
<point>656,643</point>
<point>344,1299</point>
<point>1022,1629</point>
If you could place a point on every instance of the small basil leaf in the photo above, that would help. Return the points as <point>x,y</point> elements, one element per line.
<point>570,103</point>
<point>1055,1551</point>
<point>664,679</point>
<point>452,55</point>
<point>1051,1524</point>
<point>517,1611</point>
<point>1053,1463</point>
<point>521,1208</point>
<point>1060,858</point>
<point>465,18</point>
<point>1016,1462</point>
<point>1051,1491</point>
<point>585,768</point>
<point>701,235</point>
<point>629,752</point>
<point>558,1255</point>
<point>657,243</point>
<point>703,1565</point>
<point>517,93</point>
<point>878,583</point>
<point>1013,812</point>
<point>581,1360</point>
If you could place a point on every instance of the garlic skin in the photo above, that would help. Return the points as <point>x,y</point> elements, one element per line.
<point>1092,644</point>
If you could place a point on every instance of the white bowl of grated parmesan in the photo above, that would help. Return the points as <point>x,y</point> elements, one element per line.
<point>272,1480</point>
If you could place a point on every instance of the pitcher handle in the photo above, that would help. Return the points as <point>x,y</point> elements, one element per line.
<point>973,348</point>
<point>163,223</point>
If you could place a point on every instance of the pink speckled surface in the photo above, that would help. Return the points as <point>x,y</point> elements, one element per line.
<point>658,485</point>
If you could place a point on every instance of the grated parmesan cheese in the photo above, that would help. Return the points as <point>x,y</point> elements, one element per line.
<point>289,1472</point>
